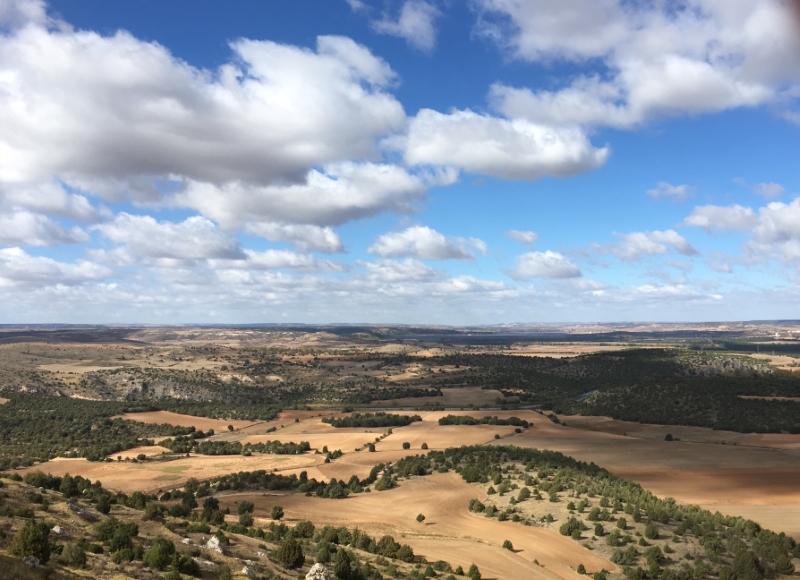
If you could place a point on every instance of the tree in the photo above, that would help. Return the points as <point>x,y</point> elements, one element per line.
<point>159,556</point>
<point>622,523</point>
<point>406,445</point>
<point>424,446</point>
<point>246,519</point>
<point>277,512</point>
<point>581,569</point>
<point>31,540</point>
<point>669,437</point>
<point>473,573</point>
<point>230,427</point>
<point>420,518</point>
<point>508,545</point>
<point>783,565</point>
<point>246,507</point>
<point>651,531</point>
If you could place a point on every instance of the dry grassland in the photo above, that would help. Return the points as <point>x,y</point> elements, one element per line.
<point>178,420</point>
<point>450,532</point>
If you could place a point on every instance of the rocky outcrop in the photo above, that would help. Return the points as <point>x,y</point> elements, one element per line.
<point>319,572</point>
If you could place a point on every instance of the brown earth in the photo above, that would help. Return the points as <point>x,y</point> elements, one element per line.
<point>177,420</point>
<point>148,450</point>
<point>450,532</point>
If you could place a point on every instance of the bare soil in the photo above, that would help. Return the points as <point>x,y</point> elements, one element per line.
<point>178,420</point>
<point>450,532</point>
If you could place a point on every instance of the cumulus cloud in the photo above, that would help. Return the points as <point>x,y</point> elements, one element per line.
<point>768,190</point>
<point>277,259</point>
<point>425,243</point>
<point>702,56</point>
<point>393,271</point>
<point>666,190</point>
<point>18,268</point>
<point>108,112</point>
<point>774,229</point>
<point>543,265</point>
<point>415,24</point>
<point>23,228</point>
<point>717,218</point>
<point>192,239</point>
<point>304,237</point>
<point>513,149</point>
<point>52,199</point>
<point>636,245</point>
<point>327,197</point>
<point>522,237</point>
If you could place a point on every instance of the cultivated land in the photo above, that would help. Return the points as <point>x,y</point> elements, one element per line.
<point>164,389</point>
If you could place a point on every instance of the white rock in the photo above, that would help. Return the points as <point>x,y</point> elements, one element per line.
<point>205,564</point>
<point>57,530</point>
<point>187,541</point>
<point>30,561</point>
<point>248,572</point>
<point>319,572</point>
<point>214,544</point>
<point>261,554</point>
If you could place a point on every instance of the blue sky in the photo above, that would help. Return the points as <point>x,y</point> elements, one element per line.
<point>409,161</point>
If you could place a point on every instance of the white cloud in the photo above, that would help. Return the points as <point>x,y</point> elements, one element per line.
<point>666,190</point>
<point>769,190</point>
<point>522,237</point>
<point>774,228</point>
<point>663,58</point>
<point>113,113</point>
<point>18,268</point>
<point>23,228</point>
<point>425,243</point>
<point>543,265</point>
<point>192,239</point>
<point>332,196</point>
<point>51,198</point>
<point>508,149</point>
<point>394,271</point>
<point>715,218</point>
<point>415,24</point>
<point>304,237</point>
<point>635,245</point>
<point>276,259</point>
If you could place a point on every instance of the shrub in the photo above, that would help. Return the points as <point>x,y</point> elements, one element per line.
<point>290,553</point>
<point>246,507</point>
<point>622,523</point>
<point>473,573</point>
<point>508,545</point>
<point>651,531</point>
<point>304,529</point>
<point>406,445</point>
<point>668,437</point>
<point>73,556</point>
<point>246,519</point>
<point>160,553</point>
<point>783,565</point>
<point>31,540</point>
<point>570,526</point>
<point>420,518</point>
<point>277,512</point>
<point>424,446</point>
<point>581,569</point>
<point>405,553</point>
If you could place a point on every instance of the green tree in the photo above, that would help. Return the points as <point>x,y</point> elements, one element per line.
<point>277,512</point>
<point>783,565</point>
<point>406,445</point>
<point>473,573</point>
<point>290,553</point>
<point>246,519</point>
<point>31,540</point>
<point>159,556</point>
<point>508,545</point>
<point>246,507</point>
<point>420,518</point>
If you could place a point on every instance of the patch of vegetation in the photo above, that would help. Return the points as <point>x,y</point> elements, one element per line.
<point>372,420</point>
<point>467,420</point>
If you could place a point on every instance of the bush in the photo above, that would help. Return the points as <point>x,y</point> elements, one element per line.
<point>570,526</point>
<point>246,519</point>
<point>31,540</point>
<point>160,554</point>
<point>406,445</point>
<point>277,512</point>
<point>73,556</point>
<point>508,545</point>
<point>473,573</point>
<point>424,446</point>
<point>581,569</point>
<point>420,518</point>
<point>290,553</point>
<point>651,531</point>
<point>304,529</point>
<point>246,507</point>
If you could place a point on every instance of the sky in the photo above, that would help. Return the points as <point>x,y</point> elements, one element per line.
<point>459,162</point>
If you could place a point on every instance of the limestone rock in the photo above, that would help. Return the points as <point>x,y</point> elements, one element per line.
<point>247,571</point>
<point>319,572</point>
<point>57,530</point>
<point>214,544</point>
<point>30,561</point>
